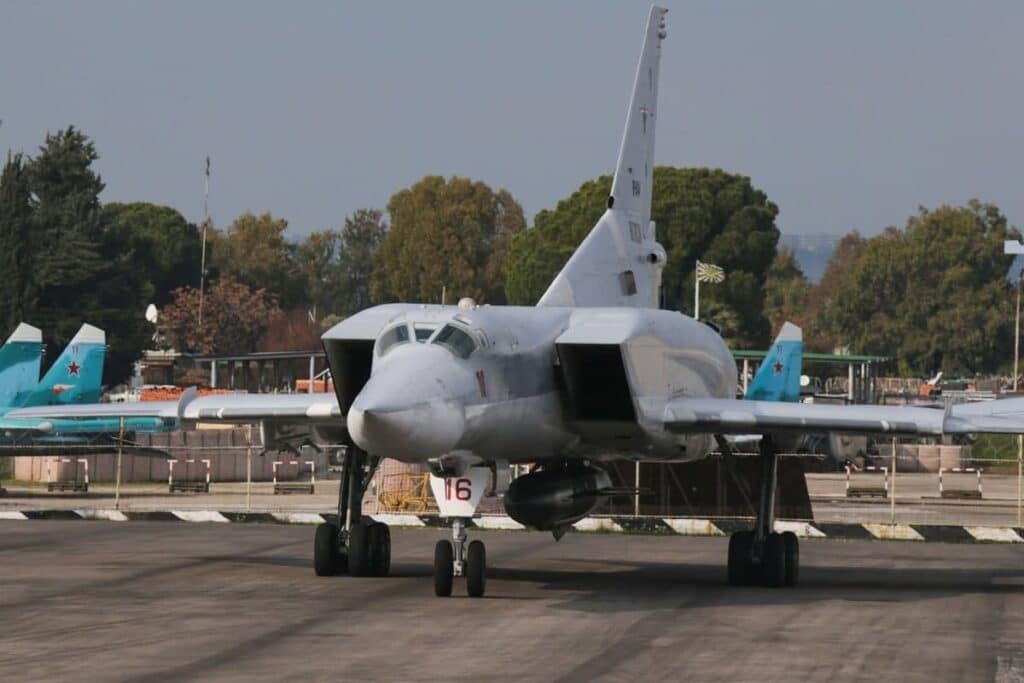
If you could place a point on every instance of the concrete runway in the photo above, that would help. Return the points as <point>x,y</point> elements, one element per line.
<point>161,601</point>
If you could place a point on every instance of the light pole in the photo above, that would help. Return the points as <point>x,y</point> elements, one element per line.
<point>1015,248</point>
<point>1020,437</point>
<point>206,224</point>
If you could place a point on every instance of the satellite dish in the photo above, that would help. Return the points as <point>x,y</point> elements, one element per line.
<point>152,313</point>
<point>805,381</point>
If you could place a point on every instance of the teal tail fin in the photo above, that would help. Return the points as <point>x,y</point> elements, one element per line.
<point>778,378</point>
<point>20,360</point>
<point>76,375</point>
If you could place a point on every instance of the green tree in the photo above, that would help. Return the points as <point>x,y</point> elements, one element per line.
<point>361,236</point>
<point>451,233</point>
<point>255,252</point>
<point>234,318</point>
<point>66,212</point>
<point>786,290</point>
<point>82,273</point>
<point>934,295</point>
<point>819,318</point>
<point>318,262</point>
<point>165,246</point>
<point>700,213</point>
<point>17,284</point>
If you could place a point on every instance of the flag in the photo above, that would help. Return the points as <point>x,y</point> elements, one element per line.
<point>707,272</point>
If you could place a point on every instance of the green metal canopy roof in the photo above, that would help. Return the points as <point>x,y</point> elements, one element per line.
<point>748,354</point>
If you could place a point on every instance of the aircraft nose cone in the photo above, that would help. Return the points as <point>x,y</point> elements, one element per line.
<point>427,430</point>
<point>409,412</point>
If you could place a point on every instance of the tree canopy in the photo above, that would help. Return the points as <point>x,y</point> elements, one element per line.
<point>234,318</point>
<point>255,251</point>
<point>62,266</point>
<point>700,213</point>
<point>934,295</point>
<point>164,245</point>
<point>786,290</point>
<point>17,286</point>
<point>452,234</point>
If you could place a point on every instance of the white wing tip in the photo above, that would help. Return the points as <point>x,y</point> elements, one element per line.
<point>87,334</point>
<point>25,333</point>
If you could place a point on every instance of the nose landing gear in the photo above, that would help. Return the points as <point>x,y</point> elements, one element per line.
<point>453,558</point>
<point>763,555</point>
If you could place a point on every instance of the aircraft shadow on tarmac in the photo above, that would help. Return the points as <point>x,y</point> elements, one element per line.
<point>627,586</point>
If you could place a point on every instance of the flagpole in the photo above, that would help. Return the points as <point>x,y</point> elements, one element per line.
<point>696,292</point>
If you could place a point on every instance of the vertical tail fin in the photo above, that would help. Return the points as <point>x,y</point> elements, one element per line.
<point>20,361</point>
<point>619,263</point>
<point>778,378</point>
<point>76,375</point>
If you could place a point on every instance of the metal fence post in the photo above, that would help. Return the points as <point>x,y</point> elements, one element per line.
<point>636,494</point>
<point>1020,453</point>
<point>117,479</point>
<point>248,471</point>
<point>892,492</point>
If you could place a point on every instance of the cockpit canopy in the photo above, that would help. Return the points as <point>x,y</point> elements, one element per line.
<point>457,340</point>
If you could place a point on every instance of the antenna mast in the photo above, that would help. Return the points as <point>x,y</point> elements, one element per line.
<point>206,223</point>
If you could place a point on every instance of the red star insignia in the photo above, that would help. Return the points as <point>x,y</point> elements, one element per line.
<point>73,368</point>
<point>778,367</point>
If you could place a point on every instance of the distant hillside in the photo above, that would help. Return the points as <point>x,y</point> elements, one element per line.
<point>812,252</point>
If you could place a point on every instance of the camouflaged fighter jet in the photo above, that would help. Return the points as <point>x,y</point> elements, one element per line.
<point>594,371</point>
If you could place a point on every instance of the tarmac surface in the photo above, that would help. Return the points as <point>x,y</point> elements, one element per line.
<point>162,601</point>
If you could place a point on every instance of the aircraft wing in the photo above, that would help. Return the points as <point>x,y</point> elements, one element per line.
<point>241,408</point>
<point>25,426</point>
<point>229,408</point>
<point>733,416</point>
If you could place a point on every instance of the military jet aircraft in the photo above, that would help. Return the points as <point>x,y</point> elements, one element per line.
<point>594,371</point>
<point>74,378</point>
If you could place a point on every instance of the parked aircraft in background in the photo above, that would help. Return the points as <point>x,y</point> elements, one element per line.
<point>74,378</point>
<point>778,378</point>
<point>593,372</point>
<point>21,357</point>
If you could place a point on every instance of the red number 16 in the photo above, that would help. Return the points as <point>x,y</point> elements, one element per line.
<point>463,489</point>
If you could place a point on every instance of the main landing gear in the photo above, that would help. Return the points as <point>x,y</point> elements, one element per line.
<point>353,545</point>
<point>763,555</point>
<point>454,558</point>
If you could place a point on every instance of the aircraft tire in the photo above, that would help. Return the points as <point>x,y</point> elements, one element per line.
<point>741,569</point>
<point>444,568</point>
<point>476,569</point>
<point>792,551</point>
<point>379,540</point>
<point>359,550</point>
<point>326,560</point>
<point>773,561</point>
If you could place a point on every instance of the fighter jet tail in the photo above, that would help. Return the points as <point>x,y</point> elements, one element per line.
<point>76,375</point>
<point>778,378</point>
<point>620,262</point>
<point>20,361</point>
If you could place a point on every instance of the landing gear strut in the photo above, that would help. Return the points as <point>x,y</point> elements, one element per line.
<point>352,544</point>
<point>763,555</point>
<point>453,558</point>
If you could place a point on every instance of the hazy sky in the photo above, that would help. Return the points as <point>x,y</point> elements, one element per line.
<point>848,115</point>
